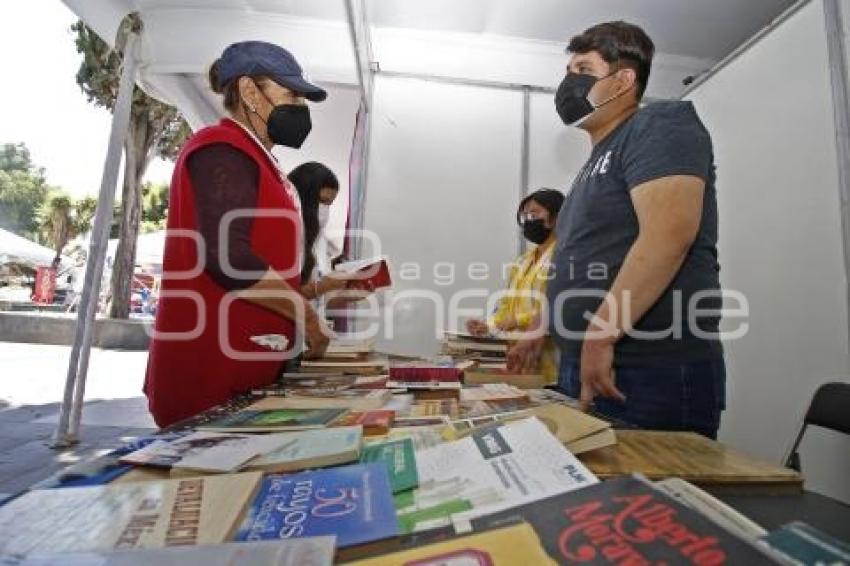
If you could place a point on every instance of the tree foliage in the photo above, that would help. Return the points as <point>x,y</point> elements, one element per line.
<point>22,190</point>
<point>155,129</point>
<point>61,218</point>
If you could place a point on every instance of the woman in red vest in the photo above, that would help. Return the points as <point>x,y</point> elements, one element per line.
<point>229,304</point>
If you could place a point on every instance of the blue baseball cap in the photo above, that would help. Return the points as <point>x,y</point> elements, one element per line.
<point>256,58</point>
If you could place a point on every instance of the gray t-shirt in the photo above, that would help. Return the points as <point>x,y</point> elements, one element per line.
<point>597,225</point>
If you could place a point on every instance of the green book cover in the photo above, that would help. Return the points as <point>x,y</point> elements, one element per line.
<point>272,419</point>
<point>400,459</point>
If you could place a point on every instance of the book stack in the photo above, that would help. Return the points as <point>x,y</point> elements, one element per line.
<point>436,379</point>
<point>488,351</point>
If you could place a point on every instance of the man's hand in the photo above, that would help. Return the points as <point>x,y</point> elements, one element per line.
<point>477,327</point>
<point>597,372</point>
<point>524,356</point>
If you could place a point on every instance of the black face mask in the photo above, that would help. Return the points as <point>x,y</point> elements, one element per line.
<point>571,101</point>
<point>289,125</point>
<point>535,231</point>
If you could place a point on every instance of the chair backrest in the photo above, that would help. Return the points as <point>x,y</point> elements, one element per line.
<point>830,407</point>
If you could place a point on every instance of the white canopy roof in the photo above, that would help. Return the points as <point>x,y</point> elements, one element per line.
<point>512,41</point>
<point>16,249</point>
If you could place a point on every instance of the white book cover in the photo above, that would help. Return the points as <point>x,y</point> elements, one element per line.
<point>315,551</point>
<point>500,467</point>
<point>312,448</point>
<point>206,451</point>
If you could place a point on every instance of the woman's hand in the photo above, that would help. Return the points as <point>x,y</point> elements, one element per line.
<point>317,335</point>
<point>507,324</point>
<point>477,327</point>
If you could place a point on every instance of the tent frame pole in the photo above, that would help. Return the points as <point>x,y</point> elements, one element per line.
<point>361,44</point>
<point>67,431</point>
<point>525,156</point>
<point>840,82</point>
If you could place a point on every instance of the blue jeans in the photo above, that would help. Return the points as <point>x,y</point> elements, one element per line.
<point>663,397</point>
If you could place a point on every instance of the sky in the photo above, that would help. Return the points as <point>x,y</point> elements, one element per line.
<point>41,104</point>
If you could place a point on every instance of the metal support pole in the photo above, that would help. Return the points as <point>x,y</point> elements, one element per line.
<point>358,32</point>
<point>839,76</point>
<point>361,44</point>
<point>75,383</point>
<point>525,154</point>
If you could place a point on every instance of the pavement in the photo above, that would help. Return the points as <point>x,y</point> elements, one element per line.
<point>32,382</point>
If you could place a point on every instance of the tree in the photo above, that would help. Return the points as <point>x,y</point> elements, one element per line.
<point>22,190</point>
<point>61,218</point>
<point>155,129</point>
<point>154,207</point>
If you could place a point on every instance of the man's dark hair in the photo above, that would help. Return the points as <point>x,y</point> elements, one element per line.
<point>619,42</point>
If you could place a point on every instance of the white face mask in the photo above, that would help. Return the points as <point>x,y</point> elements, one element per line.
<point>324,215</point>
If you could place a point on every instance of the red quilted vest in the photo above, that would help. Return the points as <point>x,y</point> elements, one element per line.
<point>201,354</point>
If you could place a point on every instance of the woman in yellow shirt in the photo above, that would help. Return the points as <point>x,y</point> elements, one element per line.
<point>521,303</point>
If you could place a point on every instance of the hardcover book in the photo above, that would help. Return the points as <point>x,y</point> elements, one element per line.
<point>625,520</point>
<point>150,514</point>
<point>352,502</point>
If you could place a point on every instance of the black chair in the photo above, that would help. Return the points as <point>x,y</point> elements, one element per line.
<point>830,408</point>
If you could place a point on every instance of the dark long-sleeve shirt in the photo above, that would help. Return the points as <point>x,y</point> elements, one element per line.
<point>225,179</point>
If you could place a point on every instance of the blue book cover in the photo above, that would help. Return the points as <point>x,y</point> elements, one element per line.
<point>355,503</point>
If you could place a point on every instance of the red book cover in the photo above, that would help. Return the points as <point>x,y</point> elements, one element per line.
<point>367,274</point>
<point>425,373</point>
<point>373,422</point>
<point>626,521</point>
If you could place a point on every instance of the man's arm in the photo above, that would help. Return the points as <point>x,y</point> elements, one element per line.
<point>669,211</point>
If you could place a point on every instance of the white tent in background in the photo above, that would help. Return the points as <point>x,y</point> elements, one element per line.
<point>149,249</point>
<point>17,249</point>
<point>459,124</point>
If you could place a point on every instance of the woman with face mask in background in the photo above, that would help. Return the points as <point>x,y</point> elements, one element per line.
<point>230,311</point>
<point>521,305</point>
<point>318,188</point>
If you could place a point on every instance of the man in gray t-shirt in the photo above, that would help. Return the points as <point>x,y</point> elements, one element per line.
<point>634,296</point>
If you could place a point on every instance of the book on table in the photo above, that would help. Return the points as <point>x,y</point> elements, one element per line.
<point>487,471</point>
<point>312,551</point>
<point>799,543</point>
<point>352,502</point>
<point>203,451</point>
<point>273,420</point>
<point>485,375</point>
<point>374,423</point>
<point>512,545</point>
<point>316,448</point>
<point>367,366</point>
<point>399,457</point>
<point>492,392</point>
<point>353,399</point>
<point>620,521</point>
<point>151,514</point>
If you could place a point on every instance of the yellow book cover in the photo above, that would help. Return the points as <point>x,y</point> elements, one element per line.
<point>509,546</point>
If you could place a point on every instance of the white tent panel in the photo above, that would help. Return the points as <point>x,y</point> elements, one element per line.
<point>442,191</point>
<point>780,241</point>
<point>556,152</point>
